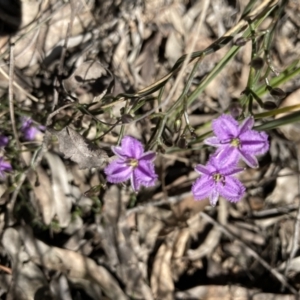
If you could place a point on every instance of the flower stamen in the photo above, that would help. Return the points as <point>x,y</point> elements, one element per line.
<point>133,163</point>
<point>235,142</point>
<point>219,177</point>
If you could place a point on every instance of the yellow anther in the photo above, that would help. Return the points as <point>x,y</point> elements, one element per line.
<point>133,163</point>
<point>235,142</point>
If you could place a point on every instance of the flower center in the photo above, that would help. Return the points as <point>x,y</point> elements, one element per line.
<point>235,142</point>
<point>133,163</point>
<point>219,177</point>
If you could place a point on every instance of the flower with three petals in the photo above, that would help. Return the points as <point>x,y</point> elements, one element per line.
<point>218,180</point>
<point>236,141</point>
<point>132,163</point>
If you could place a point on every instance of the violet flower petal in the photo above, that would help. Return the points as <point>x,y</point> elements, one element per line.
<point>145,173</point>
<point>4,167</point>
<point>249,159</point>
<point>254,142</point>
<point>132,163</point>
<point>227,155</point>
<point>202,170</point>
<point>219,181</point>
<point>135,183</point>
<point>117,171</point>
<point>3,140</point>
<point>28,129</point>
<point>131,147</point>
<point>233,190</point>
<point>247,124</point>
<point>236,141</point>
<point>213,198</point>
<point>148,156</point>
<point>225,127</point>
<point>30,133</point>
<point>232,171</point>
<point>119,152</point>
<point>26,122</point>
<point>213,141</point>
<point>202,187</point>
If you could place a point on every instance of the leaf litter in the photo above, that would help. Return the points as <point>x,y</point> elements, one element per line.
<point>77,246</point>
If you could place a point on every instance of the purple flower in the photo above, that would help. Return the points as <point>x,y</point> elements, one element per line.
<point>236,141</point>
<point>132,163</point>
<point>4,167</point>
<point>217,180</point>
<point>3,140</point>
<point>29,130</point>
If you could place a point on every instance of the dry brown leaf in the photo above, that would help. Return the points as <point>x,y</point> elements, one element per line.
<point>43,201</point>
<point>161,278</point>
<point>117,246</point>
<point>179,265</point>
<point>79,150</point>
<point>27,277</point>
<point>290,131</point>
<point>207,247</point>
<point>214,292</point>
<point>247,235</point>
<point>150,223</point>
<point>60,288</point>
<point>74,264</point>
<point>147,58</point>
<point>286,188</point>
<point>60,188</point>
<point>36,41</point>
<point>91,77</point>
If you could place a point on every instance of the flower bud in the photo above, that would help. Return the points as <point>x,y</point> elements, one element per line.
<point>177,125</point>
<point>277,93</point>
<point>240,42</point>
<point>269,105</point>
<point>167,136</point>
<point>257,63</point>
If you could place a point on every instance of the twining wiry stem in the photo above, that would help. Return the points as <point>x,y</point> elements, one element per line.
<point>19,87</point>
<point>184,65</point>
<point>63,52</point>
<point>11,95</point>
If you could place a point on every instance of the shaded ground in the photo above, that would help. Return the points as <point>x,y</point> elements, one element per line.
<point>67,235</point>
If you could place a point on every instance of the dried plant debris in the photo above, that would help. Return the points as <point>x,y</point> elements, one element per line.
<point>29,277</point>
<point>78,149</point>
<point>67,237</point>
<point>89,77</point>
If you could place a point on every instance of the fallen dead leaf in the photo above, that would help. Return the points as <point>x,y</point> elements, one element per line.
<point>27,276</point>
<point>60,188</point>
<point>76,265</point>
<point>290,131</point>
<point>89,77</point>
<point>78,149</point>
<point>286,188</point>
<point>162,284</point>
<point>43,200</point>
